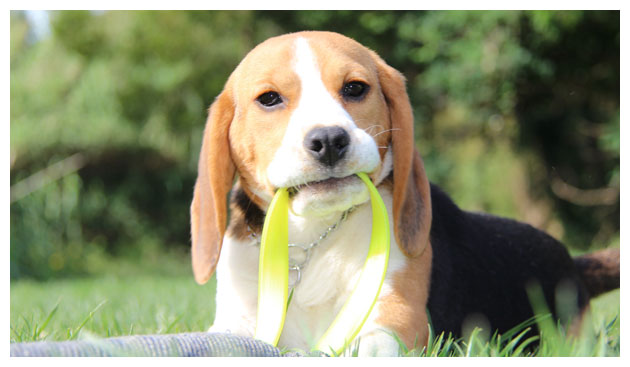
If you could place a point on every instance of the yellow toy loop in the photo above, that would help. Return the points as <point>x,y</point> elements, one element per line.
<point>274,272</point>
<point>357,308</point>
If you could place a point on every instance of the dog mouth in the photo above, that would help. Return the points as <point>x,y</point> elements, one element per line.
<point>328,184</point>
<point>321,198</point>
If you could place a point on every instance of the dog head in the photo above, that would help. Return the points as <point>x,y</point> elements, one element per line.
<point>307,111</point>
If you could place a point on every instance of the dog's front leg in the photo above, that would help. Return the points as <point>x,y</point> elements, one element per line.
<point>400,311</point>
<point>237,288</point>
<point>393,325</point>
<point>233,317</point>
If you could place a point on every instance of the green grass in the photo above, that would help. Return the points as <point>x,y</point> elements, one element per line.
<point>112,306</point>
<point>125,305</point>
<point>599,336</point>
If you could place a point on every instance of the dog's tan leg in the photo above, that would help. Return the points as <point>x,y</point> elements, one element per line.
<point>402,311</point>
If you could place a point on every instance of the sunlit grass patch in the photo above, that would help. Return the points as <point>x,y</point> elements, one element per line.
<point>106,307</point>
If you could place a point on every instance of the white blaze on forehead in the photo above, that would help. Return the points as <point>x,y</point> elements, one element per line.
<point>316,105</point>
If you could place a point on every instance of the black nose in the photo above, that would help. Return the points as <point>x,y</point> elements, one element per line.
<point>327,144</point>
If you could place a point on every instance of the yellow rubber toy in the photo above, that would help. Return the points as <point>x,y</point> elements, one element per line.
<point>274,271</point>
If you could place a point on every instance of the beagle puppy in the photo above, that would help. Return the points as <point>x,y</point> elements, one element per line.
<point>307,111</point>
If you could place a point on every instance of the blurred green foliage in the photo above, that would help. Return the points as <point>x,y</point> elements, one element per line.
<point>517,114</point>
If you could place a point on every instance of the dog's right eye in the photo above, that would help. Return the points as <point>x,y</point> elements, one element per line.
<point>354,91</point>
<point>269,99</point>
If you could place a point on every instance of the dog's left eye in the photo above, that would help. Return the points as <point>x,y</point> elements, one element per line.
<point>354,90</point>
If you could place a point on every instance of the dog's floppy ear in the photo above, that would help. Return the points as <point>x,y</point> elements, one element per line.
<point>412,197</point>
<point>208,212</point>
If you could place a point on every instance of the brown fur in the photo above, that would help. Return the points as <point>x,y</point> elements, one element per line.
<point>599,271</point>
<point>403,311</point>
<point>246,218</point>
<point>208,209</point>
<point>412,198</point>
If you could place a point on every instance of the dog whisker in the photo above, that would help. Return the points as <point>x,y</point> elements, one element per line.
<point>384,131</point>
<point>369,128</point>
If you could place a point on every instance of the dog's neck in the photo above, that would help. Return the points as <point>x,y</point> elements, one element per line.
<point>245,216</point>
<point>300,253</point>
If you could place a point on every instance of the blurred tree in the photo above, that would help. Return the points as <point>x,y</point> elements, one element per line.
<point>517,113</point>
<point>569,118</point>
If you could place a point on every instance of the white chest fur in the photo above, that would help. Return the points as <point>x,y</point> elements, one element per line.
<point>327,280</point>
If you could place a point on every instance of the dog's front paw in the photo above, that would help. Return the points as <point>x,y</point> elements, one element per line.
<point>378,343</point>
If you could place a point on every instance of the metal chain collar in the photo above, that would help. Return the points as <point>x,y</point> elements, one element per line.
<point>297,266</point>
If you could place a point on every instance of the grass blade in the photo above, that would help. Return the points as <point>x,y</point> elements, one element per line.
<point>74,334</point>
<point>38,330</point>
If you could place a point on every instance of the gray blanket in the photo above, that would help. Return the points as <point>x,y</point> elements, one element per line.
<point>170,345</point>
